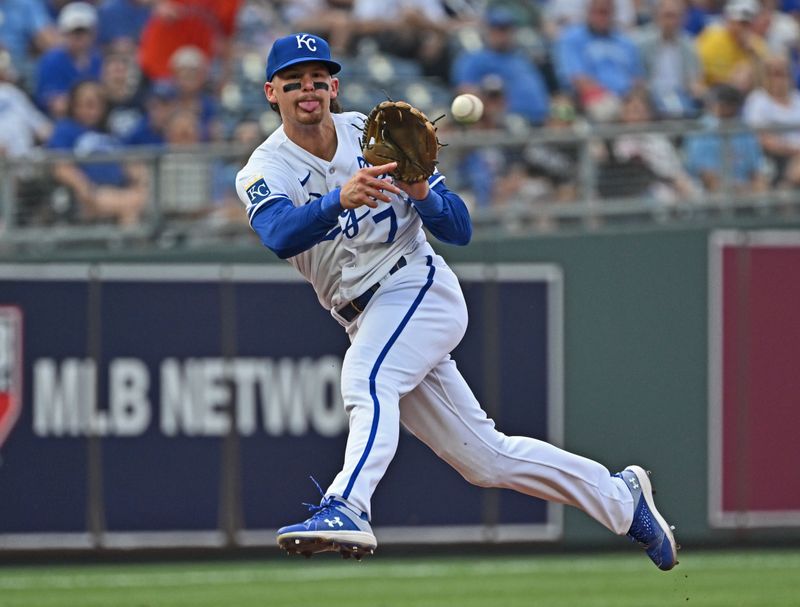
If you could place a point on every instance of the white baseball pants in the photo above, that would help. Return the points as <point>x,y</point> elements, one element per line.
<point>398,370</point>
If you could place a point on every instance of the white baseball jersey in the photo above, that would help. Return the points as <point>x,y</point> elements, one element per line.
<point>281,168</point>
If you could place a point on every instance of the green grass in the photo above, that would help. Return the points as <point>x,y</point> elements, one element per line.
<point>724,579</point>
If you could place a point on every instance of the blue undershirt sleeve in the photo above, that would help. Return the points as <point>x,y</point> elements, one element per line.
<point>287,230</point>
<point>445,215</point>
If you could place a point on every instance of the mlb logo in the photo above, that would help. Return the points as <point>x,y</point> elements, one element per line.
<point>257,191</point>
<point>10,369</point>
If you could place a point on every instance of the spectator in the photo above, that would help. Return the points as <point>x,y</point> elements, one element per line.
<point>160,102</point>
<point>725,162</point>
<point>26,26</point>
<point>22,125</point>
<point>501,56</point>
<point>731,52</point>
<point>77,59</point>
<point>184,176</point>
<point>121,79</point>
<point>671,63</point>
<point>182,129</point>
<point>780,30</point>
<point>331,19</point>
<point>205,24</point>
<point>644,163</point>
<point>562,14</point>
<point>189,67</point>
<point>102,190</point>
<point>415,29</point>
<point>120,24</point>
<point>777,103</point>
<point>190,183</point>
<point>22,128</point>
<point>554,166</point>
<point>598,63</point>
<point>193,185</point>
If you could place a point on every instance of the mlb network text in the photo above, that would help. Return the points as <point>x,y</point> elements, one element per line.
<point>193,397</point>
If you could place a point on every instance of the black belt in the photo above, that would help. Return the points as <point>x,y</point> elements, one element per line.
<point>352,309</point>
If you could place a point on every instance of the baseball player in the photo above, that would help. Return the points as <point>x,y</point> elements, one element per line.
<point>356,235</point>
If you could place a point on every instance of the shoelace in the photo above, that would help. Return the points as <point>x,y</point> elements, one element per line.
<point>323,506</point>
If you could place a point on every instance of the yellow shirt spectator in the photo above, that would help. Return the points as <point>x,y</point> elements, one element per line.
<point>730,53</point>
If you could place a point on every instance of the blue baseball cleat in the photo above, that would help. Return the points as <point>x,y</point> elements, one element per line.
<point>333,527</point>
<point>649,528</point>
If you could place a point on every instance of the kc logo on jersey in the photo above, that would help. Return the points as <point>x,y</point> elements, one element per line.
<point>257,191</point>
<point>10,369</point>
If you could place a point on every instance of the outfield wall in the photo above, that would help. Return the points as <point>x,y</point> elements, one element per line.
<point>660,332</point>
<point>162,405</point>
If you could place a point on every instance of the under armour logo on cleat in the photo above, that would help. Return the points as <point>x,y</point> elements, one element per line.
<point>634,484</point>
<point>336,521</point>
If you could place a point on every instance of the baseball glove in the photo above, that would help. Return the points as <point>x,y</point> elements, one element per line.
<point>396,131</point>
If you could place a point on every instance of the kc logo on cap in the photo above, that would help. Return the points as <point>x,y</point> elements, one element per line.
<point>299,48</point>
<point>309,41</point>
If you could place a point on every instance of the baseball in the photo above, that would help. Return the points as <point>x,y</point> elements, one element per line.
<point>467,108</point>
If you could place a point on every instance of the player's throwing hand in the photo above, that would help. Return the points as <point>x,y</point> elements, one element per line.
<point>367,188</point>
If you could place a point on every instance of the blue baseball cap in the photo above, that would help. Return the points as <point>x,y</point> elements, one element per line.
<point>299,48</point>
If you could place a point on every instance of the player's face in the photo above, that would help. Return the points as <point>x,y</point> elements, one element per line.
<point>303,92</point>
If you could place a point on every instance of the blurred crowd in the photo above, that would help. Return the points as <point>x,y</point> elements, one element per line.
<point>108,76</point>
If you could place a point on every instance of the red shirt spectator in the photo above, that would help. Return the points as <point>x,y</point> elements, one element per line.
<point>206,24</point>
